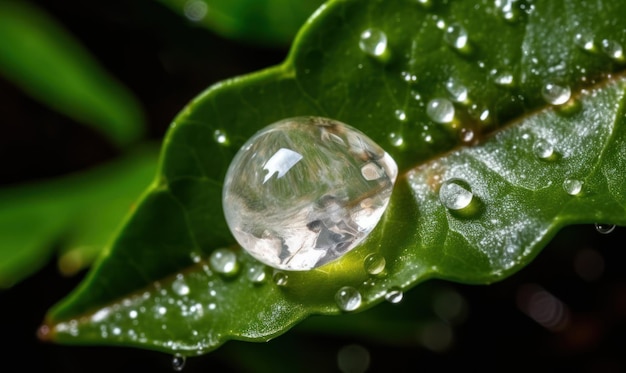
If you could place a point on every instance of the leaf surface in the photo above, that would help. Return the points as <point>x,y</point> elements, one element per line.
<point>156,289</point>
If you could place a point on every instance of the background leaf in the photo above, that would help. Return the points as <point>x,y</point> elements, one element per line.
<point>40,57</point>
<point>167,302</point>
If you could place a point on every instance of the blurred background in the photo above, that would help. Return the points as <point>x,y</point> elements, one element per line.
<point>565,311</point>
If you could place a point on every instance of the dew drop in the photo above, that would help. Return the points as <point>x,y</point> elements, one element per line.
<point>605,228</point>
<point>572,186</point>
<point>455,194</point>
<point>373,42</point>
<point>440,110</point>
<point>220,137</point>
<point>456,36</point>
<point>280,278</point>
<point>584,41</point>
<point>458,92</point>
<point>507,9</point>
<point>394,295</point>
<point>504,78</point>
<point>180,286</point>
<point>348,298</point>
<point>543,149</point>
<point>396,139</point>
<point>224,261</point>
<point>400,115</point>
<point>374,264</point>
<point>556,94</point>
<point>178,362</point>
<point>256,273</point>
<point>467,135</point>
<point>612,49</point>
<point>305,191</point>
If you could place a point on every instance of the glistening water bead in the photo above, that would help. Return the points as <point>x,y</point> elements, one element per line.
<point>304,191</point>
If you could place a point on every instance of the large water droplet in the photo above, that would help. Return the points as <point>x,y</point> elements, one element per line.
<point>543,149</point>
<point>224,261</point>
<point>440,110</point>
<point>458,92</point>
<point>348,298</point>
<point>374,264</point>
<point>455,194</point>
<point>304,191</point>
<point>373,42</point>
<point>394,295</point>
<point>456,36</point>
<point>572,186</point>
<point>605,228</point>
<point>556,94</point>
<point>178,362</point>
<point>613,49</point>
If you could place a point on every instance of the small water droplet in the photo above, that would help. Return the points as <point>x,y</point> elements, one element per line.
<point>400,115</point>
<point>458,92</point>
<point>220,137</point>
<point>467,135</point>
<point>178,362</point>
<point>348,298</point>
<point>394,295</point>
<point>455,194</point>
<point>441,24</point>
<point>440,110</point>
<point>256,273</point>
<point>605,228</point>
<point>374,264</point>
<point>584,41</point>
<point>281,167</point>
<point>195,10</point>
<point>456,36</point>
<point>224,261</point>
<point>572,186</point>
<point>556,94</point>
<point>132,314</point>
<point>507,9</point>
<point>373,42</point>
<point>613,49</point>
<point>280,278</point>
<point>504,78</point>
<point>396,139</point>
<point>180,286</point>
<point>543,149</point>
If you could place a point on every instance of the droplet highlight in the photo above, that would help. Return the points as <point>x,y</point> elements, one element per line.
<point>348,298</point>
<point>604,228</point>
<point>455,194</point>
<point>305,191</point>
<point>572,186</point>
<point>440,110</point>
<point>224,261</point>
<point>373,42</point>
<point>374,264</point>
<point>556,94</point>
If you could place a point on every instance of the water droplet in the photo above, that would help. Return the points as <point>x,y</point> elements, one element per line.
<point>543,149</point>
<point>613,49</point>
<point>396,139</point>
<point>292,197</point>
<point>458,92</point>
<point>178,362</point>
<point>224,261</point>
<point>180,286</point>
<point>374,264</point>
<point>373,42</point>
<point>456,36</point>
<point>507,9</point>
<point>220,137</point>
<point>556,94</point>
<point>605,228</point>
<point>572,186</point>
<point>440,110</point>
<point>195,10</point>
<point>348,298</point>
<point>455,194</point>
<point>394,295</point>
<point>132,314</point>
<point>400,115</point>
<point>467,135</point>
<point>280,278</point>
<point>256,273</point>
<point>584,41</point>
<point>504,78</point>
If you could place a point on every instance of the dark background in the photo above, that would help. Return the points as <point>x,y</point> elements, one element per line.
<point>166,61</point>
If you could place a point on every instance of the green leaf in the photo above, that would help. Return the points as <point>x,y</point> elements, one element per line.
<point>266,22</point>
<point>155,288</point>
<point>40,57</point>
<point>78,214</point>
